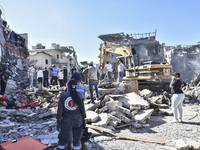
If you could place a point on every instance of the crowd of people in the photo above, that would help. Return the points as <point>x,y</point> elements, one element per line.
<point>47,76</point>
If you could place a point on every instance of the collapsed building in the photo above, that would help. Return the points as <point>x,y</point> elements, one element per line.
<point>13,46</point>
<point>145,44</point>
<point>188,60</point>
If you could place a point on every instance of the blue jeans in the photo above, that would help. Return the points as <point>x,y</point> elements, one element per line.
<point>91,90</point>
<point>31,80</point>
<point>110,76</point>
<point>120,76</point>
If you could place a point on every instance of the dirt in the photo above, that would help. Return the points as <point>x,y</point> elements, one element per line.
<point>160,128</point>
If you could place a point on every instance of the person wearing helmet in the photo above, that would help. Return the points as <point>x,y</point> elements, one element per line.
<point>70,117</point>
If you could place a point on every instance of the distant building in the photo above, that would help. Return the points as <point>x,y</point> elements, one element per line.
<point>56,54</point>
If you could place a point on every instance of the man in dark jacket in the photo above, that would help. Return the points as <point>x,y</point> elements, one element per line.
<point>70,116</point>
<point>46,77</point>
<point>4,78</point>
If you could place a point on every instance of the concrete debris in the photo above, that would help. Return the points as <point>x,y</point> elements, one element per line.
<point>91,116</point>
<point>146,93</point>
<point>102,138</point>
<point>134,99</point>
<point>193,145</point>
<point>143,115</point>
<point>181,145</point>
<point>103,120</point>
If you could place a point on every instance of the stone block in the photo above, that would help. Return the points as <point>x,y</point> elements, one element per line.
<point>181,145</point>
<point>134,99</point>
<point>103,120</point>
<point>143,115</point>
<point>91,116</point>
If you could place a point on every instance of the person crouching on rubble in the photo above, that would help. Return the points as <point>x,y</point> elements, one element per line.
<point>177,97</point>
<point>70,117</point>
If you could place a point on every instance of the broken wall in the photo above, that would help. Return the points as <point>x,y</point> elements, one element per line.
<point>185,60</point>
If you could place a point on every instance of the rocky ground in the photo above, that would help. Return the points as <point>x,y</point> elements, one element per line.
<point>160,127</point>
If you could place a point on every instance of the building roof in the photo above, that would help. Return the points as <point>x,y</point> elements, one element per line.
<point>38,52</point>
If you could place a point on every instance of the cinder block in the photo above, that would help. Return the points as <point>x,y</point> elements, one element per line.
<point>181,145</point>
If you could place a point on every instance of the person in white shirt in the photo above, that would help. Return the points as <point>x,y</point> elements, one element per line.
<point>121,68</point>
<point>60,78</point>
<point>40,76</point>
<point>109,69</point>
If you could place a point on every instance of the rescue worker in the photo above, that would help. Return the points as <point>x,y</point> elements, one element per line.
<point>54,75</point>
<point>70,117</point>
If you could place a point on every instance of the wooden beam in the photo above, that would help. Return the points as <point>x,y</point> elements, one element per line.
<point>125,136</point>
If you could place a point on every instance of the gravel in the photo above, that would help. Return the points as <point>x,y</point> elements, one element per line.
<point>160,128</point>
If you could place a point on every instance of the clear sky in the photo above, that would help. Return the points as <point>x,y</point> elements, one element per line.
<point>77,23</point>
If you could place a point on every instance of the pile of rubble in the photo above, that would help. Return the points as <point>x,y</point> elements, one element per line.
<point>32,111</point>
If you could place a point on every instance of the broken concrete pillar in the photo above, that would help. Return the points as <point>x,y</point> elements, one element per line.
<point>123,110</point>
<point>181,145</point>
<point>91,116</point>
<point>134,99</point>
<point>143,115</point>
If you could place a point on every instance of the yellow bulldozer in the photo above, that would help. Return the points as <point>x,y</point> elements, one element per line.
<point>149,74</point>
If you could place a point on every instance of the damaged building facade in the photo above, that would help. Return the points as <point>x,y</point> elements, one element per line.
<point>145,44</point>
<point>61,56</point>
<point>185,60</point>
<point>13,46</point>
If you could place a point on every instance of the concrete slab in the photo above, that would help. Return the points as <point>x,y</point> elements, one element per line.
<point>146,93</point>
<point>112,105</point>
<point>123,110</point>
<point>134,99</point>
<point>142,115</point>
<point>92,106</point>
<point>91,116</point>
<point>102,138</point>
<point>181,145</point>
<point>103,120</point>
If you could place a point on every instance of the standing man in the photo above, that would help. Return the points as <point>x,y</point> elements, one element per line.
<point>93,76</point>
<point>177,97</point>
<point>30,74</point>
<point>4,78</point>
<point>39,75</point>
<point>134,55</point>
<point>121,69</point>
<point>109,69</point>
<point>60,78</point>
<point>46,77</point>
<point>65,75</point>
<point>54,75</point>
